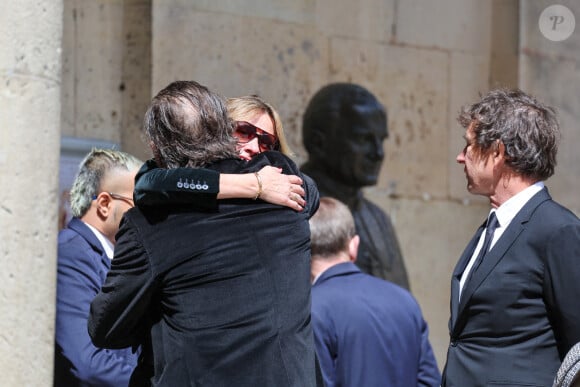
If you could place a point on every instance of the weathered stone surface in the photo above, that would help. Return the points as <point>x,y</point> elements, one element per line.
<point>423,60</point>
<point>136,75</point>
<point>92,69</point>
<point>30,38</point>
<point>365,19</point>
<point>452,25</point>
<point>533,42</point>
<point>413,85</point>
<point>285,11</point>
<point>551,71</point>
<point>504,44</point>
<point>285,63</point>
<point>469,77</point>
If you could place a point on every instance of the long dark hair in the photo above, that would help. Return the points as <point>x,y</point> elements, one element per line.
<point>188,126</point>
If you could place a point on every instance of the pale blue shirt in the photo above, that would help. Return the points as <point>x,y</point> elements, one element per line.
<point>505,214</point>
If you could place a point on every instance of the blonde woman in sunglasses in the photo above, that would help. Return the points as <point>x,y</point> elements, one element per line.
<point>258,128</point>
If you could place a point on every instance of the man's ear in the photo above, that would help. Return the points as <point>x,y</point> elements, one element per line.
<point>499,152</point>
<point>103,203</point>
<point>353,248</point>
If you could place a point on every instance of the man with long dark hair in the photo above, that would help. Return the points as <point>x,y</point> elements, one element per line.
<point>216,298</point>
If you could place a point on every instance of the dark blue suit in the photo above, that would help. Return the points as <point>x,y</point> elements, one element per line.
<point>369,332</point>
<point>519,314</point>
<point>82,269</point>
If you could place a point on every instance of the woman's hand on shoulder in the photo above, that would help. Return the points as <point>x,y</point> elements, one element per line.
<point>281,189</point>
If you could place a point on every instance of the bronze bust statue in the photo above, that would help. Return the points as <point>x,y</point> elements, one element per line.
<point>343,129</point>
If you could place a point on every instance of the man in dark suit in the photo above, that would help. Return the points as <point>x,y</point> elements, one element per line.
<point>368,332</point>
<point>100,195</point>
<point>515,289</point>
<point>216,298</point>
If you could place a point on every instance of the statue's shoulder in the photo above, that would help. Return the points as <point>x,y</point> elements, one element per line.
<point>368,208</point>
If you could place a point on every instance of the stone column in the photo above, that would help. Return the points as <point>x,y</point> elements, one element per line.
<point>30,73</point>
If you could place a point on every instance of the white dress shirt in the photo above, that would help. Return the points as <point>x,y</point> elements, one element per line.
<point>505,214</point>
<point>108,246</point>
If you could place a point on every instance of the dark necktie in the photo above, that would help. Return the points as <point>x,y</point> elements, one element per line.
<point>491,225</point>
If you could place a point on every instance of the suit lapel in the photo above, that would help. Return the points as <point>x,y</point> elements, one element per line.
<point>82,229</point>
<point>494,256</point>
<point>456,277</point>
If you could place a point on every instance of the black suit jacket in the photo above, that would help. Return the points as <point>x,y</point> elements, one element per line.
<point>217,298</point>
<point>520,312</point>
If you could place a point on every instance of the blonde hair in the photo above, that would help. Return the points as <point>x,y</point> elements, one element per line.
<point>96,164</point>
<point>240,108</point>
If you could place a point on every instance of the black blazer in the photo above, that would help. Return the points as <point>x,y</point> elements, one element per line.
<point>217,298</point>
<point>520,312</point>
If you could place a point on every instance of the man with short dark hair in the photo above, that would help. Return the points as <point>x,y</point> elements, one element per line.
<point>515,289</point>
<point>368,332</point>
<point>216,298</point>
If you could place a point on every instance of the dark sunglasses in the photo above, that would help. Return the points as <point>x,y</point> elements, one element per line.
<point>246,132</point>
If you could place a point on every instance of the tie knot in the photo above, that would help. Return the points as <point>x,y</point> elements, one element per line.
<point>492,222</point>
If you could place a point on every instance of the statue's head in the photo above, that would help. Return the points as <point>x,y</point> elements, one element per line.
<point>344,127</point>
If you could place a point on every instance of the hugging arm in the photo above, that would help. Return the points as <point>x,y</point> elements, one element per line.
<point>201,188</point>
<point>276,187</point>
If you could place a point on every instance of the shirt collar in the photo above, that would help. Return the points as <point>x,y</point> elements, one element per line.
<point>108,246</point>
<point>508,210</point>
<point>317,277</point>
<point>341,268</point>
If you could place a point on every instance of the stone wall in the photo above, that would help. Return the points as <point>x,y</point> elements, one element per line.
<point>551,70</point>
<point>422,59</point>
<point>106,71</point>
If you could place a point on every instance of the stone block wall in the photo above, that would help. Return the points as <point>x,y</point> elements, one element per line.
<point>551,71</point>
<point>422,59</point>
<point>106,71</point>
